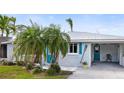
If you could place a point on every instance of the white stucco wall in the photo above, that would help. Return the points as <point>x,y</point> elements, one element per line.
<point>121,54</point>
<point>9,52</point>
<point>109,49</point>
<point>74,59</point>
<point>71,59</point>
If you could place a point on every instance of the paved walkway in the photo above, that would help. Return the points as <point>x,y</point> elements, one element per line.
<point>64,68</point>
<point>100,71</point>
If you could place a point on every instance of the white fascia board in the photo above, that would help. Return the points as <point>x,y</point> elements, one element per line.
<point>99,40</point>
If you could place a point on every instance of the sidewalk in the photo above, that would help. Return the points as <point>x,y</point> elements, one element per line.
<point>63,68</point>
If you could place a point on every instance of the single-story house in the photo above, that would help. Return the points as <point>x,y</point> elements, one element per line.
<point>86,47</point>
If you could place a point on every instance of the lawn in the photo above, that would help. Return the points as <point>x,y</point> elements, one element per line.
<point>19,72</point>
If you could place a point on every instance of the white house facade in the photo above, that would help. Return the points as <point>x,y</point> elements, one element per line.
<point>86,47</point>
<point>92,48</point>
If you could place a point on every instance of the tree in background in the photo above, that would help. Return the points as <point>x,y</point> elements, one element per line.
<point>7,26</point>
<point>70,22</point>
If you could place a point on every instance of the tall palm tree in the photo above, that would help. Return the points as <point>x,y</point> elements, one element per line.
<point>70,22</point>
<point>56,41</point>
<point>7,25</point>
<point>29,44</point>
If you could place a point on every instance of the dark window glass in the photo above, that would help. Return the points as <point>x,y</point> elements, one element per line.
<point>3,51</point>
<point>75,48</point>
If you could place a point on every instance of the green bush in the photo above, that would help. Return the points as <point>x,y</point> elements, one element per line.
<point>56,67</point>
<point>85,63</point>
<point>51,71</point>
<point>29,66</point>
<point>11,64</point>
<point>4,62</point>
<point>20,63</point>
<point>36,70</point>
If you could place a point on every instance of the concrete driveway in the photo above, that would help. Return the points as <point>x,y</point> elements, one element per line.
<point>99,71</point>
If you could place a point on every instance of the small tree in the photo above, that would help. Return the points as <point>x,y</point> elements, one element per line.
<point>56,41</point>
<point>29,44</point>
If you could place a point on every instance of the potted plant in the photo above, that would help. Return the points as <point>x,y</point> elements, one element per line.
<point>85,65</point>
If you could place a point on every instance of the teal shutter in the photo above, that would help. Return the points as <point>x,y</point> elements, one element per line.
<point>48,56</point>
<point>80,48</point>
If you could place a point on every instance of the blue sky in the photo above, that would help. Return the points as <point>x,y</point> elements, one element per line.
<point>112,24</point>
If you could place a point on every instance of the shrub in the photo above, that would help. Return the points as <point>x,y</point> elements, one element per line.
<point>4,62</point>
<point>29,66</point>
<point>56,67</point>
<point>37,70</point>
<point>85,63</point>
<point>11,64</point>
<point>51,71</point>
<point>20,63</point>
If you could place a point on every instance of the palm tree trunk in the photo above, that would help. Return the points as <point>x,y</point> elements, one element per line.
<point>33,59</point>
<point>41,61</point>
<point>57,58</point>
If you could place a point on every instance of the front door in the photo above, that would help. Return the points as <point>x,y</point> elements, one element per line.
<point>97,53</point>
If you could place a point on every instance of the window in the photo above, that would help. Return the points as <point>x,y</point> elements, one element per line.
<point>73,48</point>
<point>3,51</point>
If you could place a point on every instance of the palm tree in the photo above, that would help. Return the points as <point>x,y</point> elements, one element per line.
<point>56,41</point>
<point>7,26</point>
<point>30,45</point>
<point>70,22</point>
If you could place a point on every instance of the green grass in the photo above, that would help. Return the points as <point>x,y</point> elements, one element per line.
<point>18,72</point>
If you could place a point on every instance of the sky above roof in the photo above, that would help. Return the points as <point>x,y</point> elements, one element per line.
<point>110,24</point>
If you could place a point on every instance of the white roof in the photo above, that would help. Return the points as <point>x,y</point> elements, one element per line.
<point>94,37</point>
<point>89,37</point>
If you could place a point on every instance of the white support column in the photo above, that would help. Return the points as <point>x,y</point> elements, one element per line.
<point>121,55</point>
<point>9,52</point>
<point>89,49</point>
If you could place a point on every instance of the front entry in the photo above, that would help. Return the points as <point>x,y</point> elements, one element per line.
<point>97,53</point>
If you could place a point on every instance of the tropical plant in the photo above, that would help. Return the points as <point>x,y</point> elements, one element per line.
<point>7,25</point>
<point>30,45</point>
<point>56,41</point>
<point>56,67</point>
<point>70,22</point>
<point>85,63</point>
<point>29,66</point>
<point>37,70</point>
<point>51,72</point>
